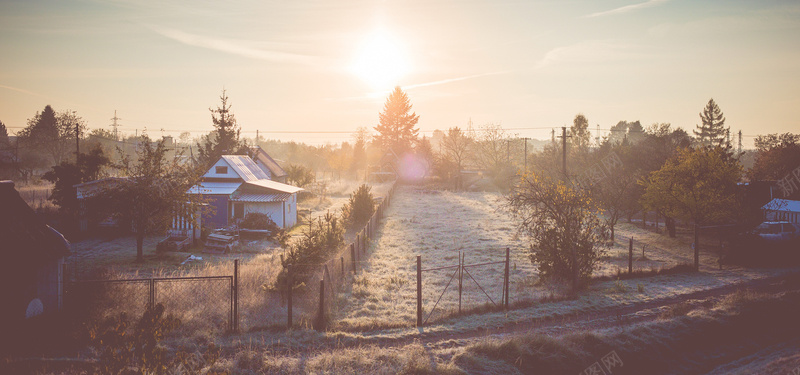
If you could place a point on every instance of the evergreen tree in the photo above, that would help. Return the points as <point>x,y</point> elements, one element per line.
<point>712,132</point>
<point>3,135</point>
<point>224,139</point>
<point>396,130</point>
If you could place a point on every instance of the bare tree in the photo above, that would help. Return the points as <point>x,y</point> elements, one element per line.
<point>455,150</point>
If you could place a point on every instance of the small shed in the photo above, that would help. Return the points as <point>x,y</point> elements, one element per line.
<point>31,273</point>
<point>782,210</point>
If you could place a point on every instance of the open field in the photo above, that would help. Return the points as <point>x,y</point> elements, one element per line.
<point>439,224</point>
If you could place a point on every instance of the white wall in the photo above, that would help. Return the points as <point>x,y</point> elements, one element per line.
<point>221,163</point>
<point>275,211</point>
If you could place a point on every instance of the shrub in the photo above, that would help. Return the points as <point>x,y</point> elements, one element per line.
<point>121,344</point>
<point>360,207</point>
<point>319,241</point>
<point>257,220</point>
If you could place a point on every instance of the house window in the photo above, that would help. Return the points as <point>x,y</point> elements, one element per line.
<point>221,170</point>
<point>238,210</point>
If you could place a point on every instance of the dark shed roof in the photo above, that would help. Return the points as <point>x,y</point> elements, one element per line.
<point>24,238</point>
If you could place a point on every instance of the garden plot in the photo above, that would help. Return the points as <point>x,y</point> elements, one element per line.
<point>437,225</point>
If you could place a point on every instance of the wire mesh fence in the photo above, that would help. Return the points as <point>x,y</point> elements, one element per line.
<point>200,303</point>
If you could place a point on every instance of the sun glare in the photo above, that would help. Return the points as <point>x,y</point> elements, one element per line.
<point>380,61</point>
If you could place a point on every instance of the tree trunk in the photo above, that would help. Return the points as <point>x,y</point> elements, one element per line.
<point>139,246</point>
<point>612,234</point>
<point>670,224</point>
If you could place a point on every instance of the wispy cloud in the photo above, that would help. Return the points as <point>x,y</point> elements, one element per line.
<point>380,95</point>
<point>22,91</point>
<point>450,80</point>
<point>589,52</point>
<point>626,8</point>
<point>245,48</point>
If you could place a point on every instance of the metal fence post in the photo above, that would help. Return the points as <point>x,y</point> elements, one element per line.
<point>507,277</point>
<point>236,295</point>
<point>460,278</point>
<point>152,297</point>
<point>419,290</point>
<point>630,255</point>
<point>289,296</point>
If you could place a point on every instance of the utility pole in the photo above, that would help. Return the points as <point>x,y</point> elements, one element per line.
<point>564,150</point>
<point>508,151</point>
<point>77,141</point>
<point>115,125</point>
<point>526,153</point>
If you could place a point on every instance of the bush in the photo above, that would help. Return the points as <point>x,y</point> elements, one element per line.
<point>259,221</point>
<point>360,207</point>
<point>320,240</point>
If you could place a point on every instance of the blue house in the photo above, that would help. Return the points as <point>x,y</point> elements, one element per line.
<point>237,185</point>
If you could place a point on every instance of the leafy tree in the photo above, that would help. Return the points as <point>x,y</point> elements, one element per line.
<point>359,208</point>
<point>299,175</point>
<point>152,193</point>
<point>777,156</point>
<point>624,130</point>
<point>67,174</point>
<point>567,236</point>
<point>618,191</point>
<point>579,132</point>
<point>712,132</point>
<point>52,133</point>
<point>224,139</point>
<point>397,127</point>
<point>455,150</point>
<point>360,140</point>
<point>697,185</point>
<point>3,135</point>
<point>493,153</point>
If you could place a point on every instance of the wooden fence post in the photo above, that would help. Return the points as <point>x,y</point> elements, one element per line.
<point>419,290</point>
<point>630,255</point>
<point>342,259</point>
<point>289,295</point>
<point>353,256</point>
<point>358,242</point>
<point>321,303</point>
<point>236,295</point>
<point>696,248</point>
<point>506,277</point>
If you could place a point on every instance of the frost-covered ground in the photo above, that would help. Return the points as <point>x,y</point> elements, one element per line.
<point>437,225</point>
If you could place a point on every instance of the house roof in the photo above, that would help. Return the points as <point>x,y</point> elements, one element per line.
<point>89,188</point>
<point>275,185</point>
<point>214,188</point>
<point>259,198</point>
<point>782,205</point>
<point>26,240</point>
<point>260,155</point>
<point>245,167</point>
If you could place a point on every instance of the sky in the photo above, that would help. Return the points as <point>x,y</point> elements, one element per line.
<point>316,70</point>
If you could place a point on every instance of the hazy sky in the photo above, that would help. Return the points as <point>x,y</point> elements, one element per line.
<point>328,65</point>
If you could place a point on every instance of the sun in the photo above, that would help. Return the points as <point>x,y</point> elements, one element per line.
<point>380,61</point>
